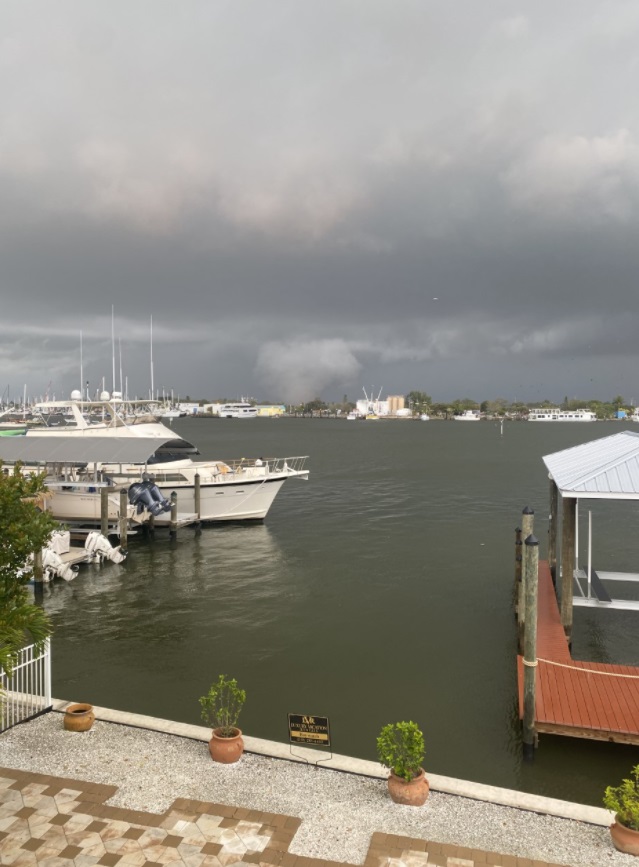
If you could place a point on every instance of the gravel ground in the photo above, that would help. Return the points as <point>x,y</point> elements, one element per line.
<point>339,811</point>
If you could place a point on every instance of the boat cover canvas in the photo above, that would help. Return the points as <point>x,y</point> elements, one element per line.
<point>607,468</point>
<point>79,449</point>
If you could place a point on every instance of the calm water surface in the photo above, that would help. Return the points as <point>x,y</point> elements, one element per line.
<point>377,591</point>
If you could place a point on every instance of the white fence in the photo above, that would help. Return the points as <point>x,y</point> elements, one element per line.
<point>27,692</point>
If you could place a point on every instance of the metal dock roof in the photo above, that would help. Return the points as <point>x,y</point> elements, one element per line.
<point>607,468</point>
<point>79,449</point>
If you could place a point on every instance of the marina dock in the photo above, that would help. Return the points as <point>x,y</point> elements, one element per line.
<point>576,698</point>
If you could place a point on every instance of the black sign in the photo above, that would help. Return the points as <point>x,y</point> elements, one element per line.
<point>306,729</point>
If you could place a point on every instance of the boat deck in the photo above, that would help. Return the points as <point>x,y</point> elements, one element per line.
<point>576,698</point>
<point>74,555</point>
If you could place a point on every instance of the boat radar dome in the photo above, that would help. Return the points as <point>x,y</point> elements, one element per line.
<point>104,395</point>
<point>76,394</point>
<point>117,395</point>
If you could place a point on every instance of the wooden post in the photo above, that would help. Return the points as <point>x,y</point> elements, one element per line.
<point>38,572</point>
<point>567,562</point>
<point>552,530</point>
<point>527,522</point>
<point>38,575</point>
<point>197,495</point>
<point>104,511</point>
<point>518,562</point>
<point>531,566</point>
<point>173,529</point>
<point>124,503</point>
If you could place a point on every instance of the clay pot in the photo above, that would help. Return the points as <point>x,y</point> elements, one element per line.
<point>412,793</point>
<point>624,839</point>
<point>79,717</point>
<point>226,750</point>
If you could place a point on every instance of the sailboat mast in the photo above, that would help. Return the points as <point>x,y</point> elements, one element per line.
<point>113,345</point>
<point>81,367</point>
<point>152,392</point>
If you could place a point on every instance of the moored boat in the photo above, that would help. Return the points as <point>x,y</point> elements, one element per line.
<point>561,415</point>
<point>237,490</point>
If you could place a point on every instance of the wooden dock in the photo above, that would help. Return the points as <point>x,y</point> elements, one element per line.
<point>579,699</point>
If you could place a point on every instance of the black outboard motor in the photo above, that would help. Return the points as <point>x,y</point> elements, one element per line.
<point>147,495</point>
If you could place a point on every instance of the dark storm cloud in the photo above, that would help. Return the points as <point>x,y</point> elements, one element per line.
<point>315,195</point>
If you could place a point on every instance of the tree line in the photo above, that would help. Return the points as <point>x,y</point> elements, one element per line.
<point>419,402</point>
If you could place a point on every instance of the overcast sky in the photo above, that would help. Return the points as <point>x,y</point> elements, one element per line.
<point>314,196</point>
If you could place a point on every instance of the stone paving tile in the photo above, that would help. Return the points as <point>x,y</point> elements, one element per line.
<point>55,822</point>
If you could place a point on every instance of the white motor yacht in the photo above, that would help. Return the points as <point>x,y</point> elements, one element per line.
<point>237,490</point>
<point>237,410</point>
<point>561,415</point>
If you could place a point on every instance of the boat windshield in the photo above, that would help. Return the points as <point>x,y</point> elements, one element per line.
<point>173,450</point>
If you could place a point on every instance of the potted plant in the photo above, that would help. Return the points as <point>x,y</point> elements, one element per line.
<point>221,708</point>
<point>623,800</point>
<point>400,748</point>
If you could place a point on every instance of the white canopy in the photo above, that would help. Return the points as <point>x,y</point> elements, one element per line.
<point>77,449</point>
<point>607,468</point>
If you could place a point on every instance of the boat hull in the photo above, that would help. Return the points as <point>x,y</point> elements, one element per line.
<point>229,501</point>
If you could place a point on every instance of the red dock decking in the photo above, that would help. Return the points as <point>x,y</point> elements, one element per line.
<point>582,699</point>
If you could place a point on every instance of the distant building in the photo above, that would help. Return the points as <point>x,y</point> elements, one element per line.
<point>271,411</point>
<point>395,402</point>
<point>189,408</point>
<point>372,407</point>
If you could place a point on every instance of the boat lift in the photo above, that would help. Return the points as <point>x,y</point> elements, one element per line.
<point>604,469</point>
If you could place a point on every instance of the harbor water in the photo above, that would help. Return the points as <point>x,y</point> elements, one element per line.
<point>379,590</point>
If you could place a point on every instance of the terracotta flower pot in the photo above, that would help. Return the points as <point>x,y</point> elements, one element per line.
<point>411,793</point>
<point>624,839</point>
<point>224,749</point>
<point>79,717</point>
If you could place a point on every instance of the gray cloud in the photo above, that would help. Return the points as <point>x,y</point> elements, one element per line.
<point>287,190</point>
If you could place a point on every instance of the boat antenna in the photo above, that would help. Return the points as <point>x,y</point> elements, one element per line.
<point>151,357</point>
<point>113,346</point>
<point>81,367</point>
<point>120,348</point>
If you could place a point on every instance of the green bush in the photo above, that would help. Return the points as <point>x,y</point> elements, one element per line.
<point>624,800</point>
<point>222,704</point>
<point>400,747</point>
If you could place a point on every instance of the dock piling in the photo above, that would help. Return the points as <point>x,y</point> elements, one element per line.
<point>197,496</point>
<point>38,575</point>
<point>518,562</point>
<point>552,530</point>
<point>124,502</point>
<point>567,563</point>
<point>531,577</point>
<point>104,510</point>
<point>527,522</point>
<point>173,527</point>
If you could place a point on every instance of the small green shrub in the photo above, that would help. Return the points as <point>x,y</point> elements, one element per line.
<point>400,747</point>
<point>222,705</point>
<point>624,800</point>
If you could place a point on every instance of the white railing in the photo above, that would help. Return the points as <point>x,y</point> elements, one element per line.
<point>27,692</point>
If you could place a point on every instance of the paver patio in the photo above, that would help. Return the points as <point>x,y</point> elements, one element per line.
<point>50,821</point>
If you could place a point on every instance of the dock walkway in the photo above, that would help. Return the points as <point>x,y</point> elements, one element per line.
<point>576,698</point>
